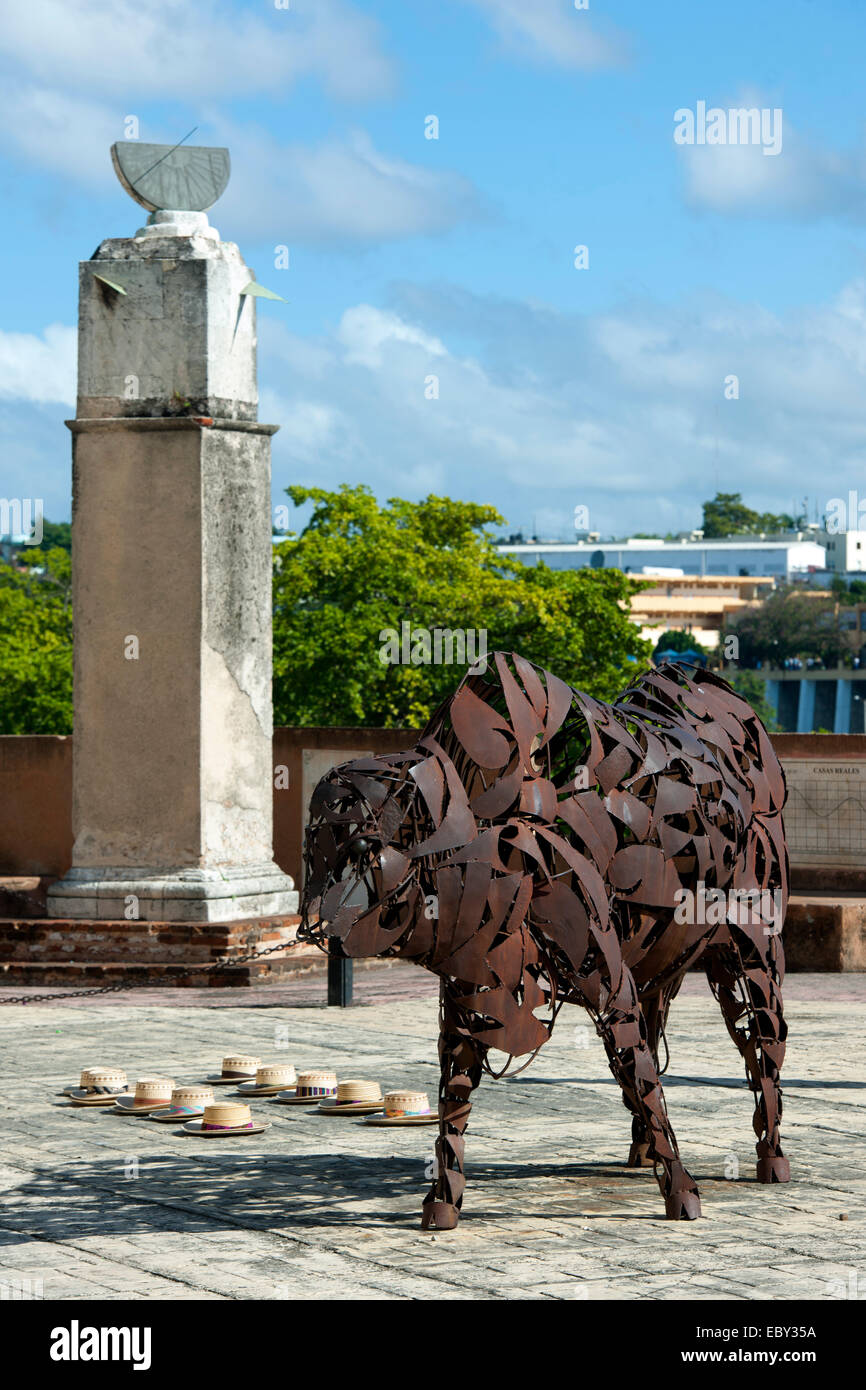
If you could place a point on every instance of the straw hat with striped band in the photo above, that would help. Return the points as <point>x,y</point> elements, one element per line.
<point>269,1080</point>
<point>353,1098</point>
<point>151,1093</point>
<point>81,1083</point>
<point>234,1069</point>
<point>404,1108</point>
<point>224,1120</point>
<point>310,1088</point>
<point>186,1102</point>
<point>99,1086</point>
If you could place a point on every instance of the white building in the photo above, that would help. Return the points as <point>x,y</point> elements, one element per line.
<point>784,560</point>
<point>846,551</point>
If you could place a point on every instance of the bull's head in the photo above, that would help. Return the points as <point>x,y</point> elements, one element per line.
<point>363,875</point>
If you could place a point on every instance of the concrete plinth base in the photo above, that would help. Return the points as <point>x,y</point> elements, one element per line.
<point>825,931</point>
<point>185,895</point>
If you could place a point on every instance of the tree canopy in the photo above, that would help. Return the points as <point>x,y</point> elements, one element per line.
<point>789,624</point>
<point>676,639</point>
<point>752,688</point>
<point>56,535</point>
<point>358,570</point>
<point>36,644</point>
<point>727,515</point>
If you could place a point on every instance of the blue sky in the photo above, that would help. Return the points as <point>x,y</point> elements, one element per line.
<point>558,387</point>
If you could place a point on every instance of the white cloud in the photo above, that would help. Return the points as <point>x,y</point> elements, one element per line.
<point>624,412</point>
<point>804,181</point>
<point>364,331</point>
<point>343,190</point>
<point>39,369</point>
<point>68,135</point>
<point>554,31</point>
<point>72,71</point>
<point>125,49</point>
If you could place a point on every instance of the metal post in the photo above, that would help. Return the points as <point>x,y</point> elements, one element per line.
<point>340,975</point>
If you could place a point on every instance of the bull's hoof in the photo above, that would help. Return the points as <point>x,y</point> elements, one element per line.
<point>682,1206</point>
<point>638,1156</point>
<point>774,1168</point>
<point>439,1216</point>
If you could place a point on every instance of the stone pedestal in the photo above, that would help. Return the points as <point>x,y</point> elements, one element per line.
<point>172,770</point>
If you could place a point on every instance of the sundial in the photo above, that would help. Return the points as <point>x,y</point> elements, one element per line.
<point>183,178</point>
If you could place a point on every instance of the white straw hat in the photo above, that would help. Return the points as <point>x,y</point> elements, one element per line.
<point>310,1088</point>
<point>405,1108</point>
<point>224,1119</point>
<point>353,1097</point>
<point>99,1086</point>
<point>151,1093</point>
<point>186,1102</point>
<point>237,1067</point>
<point>270,1080</point>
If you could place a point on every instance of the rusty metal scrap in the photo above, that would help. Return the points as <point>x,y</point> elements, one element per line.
<point>539,847</point>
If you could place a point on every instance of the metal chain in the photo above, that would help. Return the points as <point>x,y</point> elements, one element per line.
<point>219,964</point>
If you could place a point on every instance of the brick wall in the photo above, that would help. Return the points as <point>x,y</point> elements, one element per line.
<point>36,790</point>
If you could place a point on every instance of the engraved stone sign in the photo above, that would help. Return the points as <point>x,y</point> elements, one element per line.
<point>825,815</point>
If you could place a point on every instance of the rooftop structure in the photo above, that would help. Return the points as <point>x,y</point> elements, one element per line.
<point>783,560</point>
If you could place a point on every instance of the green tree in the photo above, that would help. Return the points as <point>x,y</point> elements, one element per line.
<point>788,624</point>
<point>848,590</point>
<point>36,644</point>
<point>752,688</point>
<point>358,569</point>
<point>727,515</point>
<point>56,535</point>
<point>676,640</point>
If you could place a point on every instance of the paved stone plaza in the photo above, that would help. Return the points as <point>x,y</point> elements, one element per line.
<point>99,1206</point>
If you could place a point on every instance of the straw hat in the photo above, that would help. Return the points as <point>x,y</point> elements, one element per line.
<point>269,1080</point>
<point>353,1098</point>
<point>151,1093</point>
<point>311,1087</point>
<point>235,1068</point>
<point>224,1119</point>
<point>81,1083</point>
<point>404,1108</point>
<point>186,1102</point>
<point>99,1086</point>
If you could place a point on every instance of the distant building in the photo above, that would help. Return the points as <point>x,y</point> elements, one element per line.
<point>809,700</point>
<point>698,604</point>
<point>784,560</point>
<point>846,551</point>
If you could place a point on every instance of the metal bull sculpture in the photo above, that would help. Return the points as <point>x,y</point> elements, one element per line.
<point>539,848</point>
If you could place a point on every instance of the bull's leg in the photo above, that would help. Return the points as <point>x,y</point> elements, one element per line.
<point>745,972</point>
<point>655,1014</point>
<point>623,1029</point>
<point>460,1060</point>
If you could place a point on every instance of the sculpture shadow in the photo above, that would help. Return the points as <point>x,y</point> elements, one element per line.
<point>255,1191</point>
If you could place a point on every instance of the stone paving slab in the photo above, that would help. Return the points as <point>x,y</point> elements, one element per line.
<point>102,1206</point>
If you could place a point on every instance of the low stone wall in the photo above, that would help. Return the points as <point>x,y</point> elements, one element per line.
<point>35,804</point>
<point>826,824</point>
<point>36,793</point>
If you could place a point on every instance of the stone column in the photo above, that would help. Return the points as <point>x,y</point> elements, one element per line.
<point>171,552</point>
<point>842,713</point>
<point>806,705</point>
<point>772,691</point>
